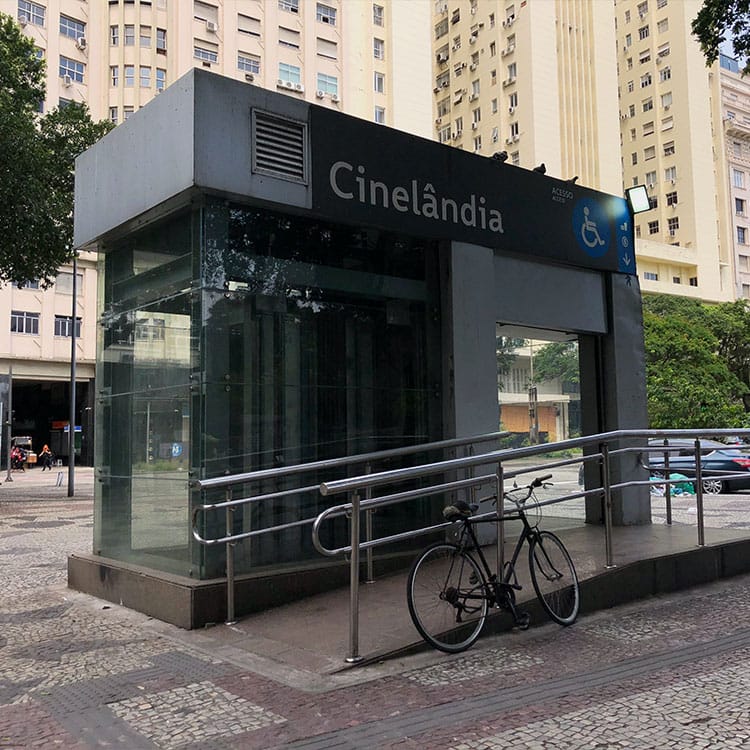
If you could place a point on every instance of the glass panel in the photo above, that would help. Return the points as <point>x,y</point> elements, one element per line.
<point>316,346</point>
<point>143,408</point>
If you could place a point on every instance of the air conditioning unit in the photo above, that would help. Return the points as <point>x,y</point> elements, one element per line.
<point>456,47</point>
<point>473,11</point>
<point>666,106</point>
<point>280,83</point>
<point>288,85</point>
<point>472,38</point>
<point>473,97</point>
<point>511,110</point>
<point>442,57</point>
<point>473,66</point>
<point>212,26</point>
<point>81,42</point>
<point>438,121</point>
<point>335,98</point>
<point>23,19</point>
<point>658,60</point>
<point>509,141</point>
<point>623,116</point>
<point>459,133</point>
<point>673,182</point>
<point>299,87</point>
<point>509,81</point>
<point>650,185</point>
<point>516,138</point>
<point>249,77</point>
<point>67,81</point>
<point>320,93</point>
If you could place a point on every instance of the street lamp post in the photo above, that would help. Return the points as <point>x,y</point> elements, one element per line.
<point>72,423</point>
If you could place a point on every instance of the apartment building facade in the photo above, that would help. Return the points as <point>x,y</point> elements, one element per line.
<point>365,59</point>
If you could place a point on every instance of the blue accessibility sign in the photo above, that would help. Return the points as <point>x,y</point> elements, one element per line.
<point>591,227</point>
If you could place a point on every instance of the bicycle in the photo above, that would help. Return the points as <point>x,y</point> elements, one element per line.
<point>449,592</point>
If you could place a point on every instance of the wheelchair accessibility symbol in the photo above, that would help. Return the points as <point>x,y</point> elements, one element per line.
<point>591,228</point>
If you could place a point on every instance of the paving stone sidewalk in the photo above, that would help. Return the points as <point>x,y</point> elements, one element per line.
<point>77,672</point>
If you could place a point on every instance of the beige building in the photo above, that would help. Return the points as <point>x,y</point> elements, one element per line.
<point>735,118</point>
<point>535,79</point>
<point>366,59</point>
<point>673,142</point>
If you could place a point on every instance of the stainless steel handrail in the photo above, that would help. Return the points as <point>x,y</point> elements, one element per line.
<point>229,504</point>
<point>356,484</point>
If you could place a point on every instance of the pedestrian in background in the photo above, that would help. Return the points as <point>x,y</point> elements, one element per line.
<point>46,457</point>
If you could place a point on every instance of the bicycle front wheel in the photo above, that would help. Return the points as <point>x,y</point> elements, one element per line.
<point>446,597</point>
<point>554,578</point>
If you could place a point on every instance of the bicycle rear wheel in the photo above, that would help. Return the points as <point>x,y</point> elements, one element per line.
<point>446,597</point>
<point>554,577</point>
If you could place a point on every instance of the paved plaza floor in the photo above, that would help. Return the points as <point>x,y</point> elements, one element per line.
<point>77,672</point>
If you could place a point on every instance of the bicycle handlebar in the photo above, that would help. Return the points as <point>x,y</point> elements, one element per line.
<point>539,481</point>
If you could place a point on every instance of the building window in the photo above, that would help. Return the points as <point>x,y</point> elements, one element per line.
<point>666,100</point>
<point>669,148</point>
<point>673,224</point>
<point>628,40</point>
<point>129,34</point>
<point>71,68</point>
<point>738,178</point>
<point>378,49</point>
<point>327,48</point>
<point>514,130</point>
<point>741,235</point>
<point>648,105</point>
<point>145,77</point>
<point>676,280</point>
<point>248,63</point>
<point>493,77</point>
<point>145,36</point>
<point>653,202</point>
<point>443,80</point>
<point>493,106</point>
<point>151,329</point>
<point>291,73</point>
<point>380,115</point>
<point>127,110</point>
<point>495,135</point>
<point>515,158</point>
<point>648,128</point>
<point>33,284</point>
<point>64,326</point>
<point>379,87</point>
<point>129,71</point>
<point>746,291</point>
<point>670,174</point>
<point>744,263</point>
<point>649,153</point>
<point>662,26</point>
<point>630,86</point>
<point>739,206</point>
<point>31,12</point>
<point>661,3</point>
<point>24,322</point>
<point>290,6</point>
<point>693,281</point>
<point>644,56</point>
<point>444,134</point>
<point>114,75</point>
<point>643,32</point>
<point>113,115</point>
<point>325,14</point>
<point>665,74</point>
<point>441,29</point>
<point>377,15</point>
<point>161,79</point>
<point>634,158</point>
<point>671,198</point>
<point>64,282</point>
<point>493,49</point>
<point>289,38</point>
<point>667,123</point>
<point>71,28</point>
<point>329,84</point>
<point>653,227</point>
<point>650,276</point>
<point>631,110</point>
<point>161,41</point>
<point>492,20</point>
<point>205,54</point>
<point>629,63</point>
<point>645,80</point>
<point>642,9</point>
<point>114,35</point>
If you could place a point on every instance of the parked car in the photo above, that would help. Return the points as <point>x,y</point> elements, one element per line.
<point>722,460</point>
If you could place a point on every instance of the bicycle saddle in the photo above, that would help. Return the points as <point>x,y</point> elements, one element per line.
<point>459,510</point>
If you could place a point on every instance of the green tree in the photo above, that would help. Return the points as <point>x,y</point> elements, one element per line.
<point>558,359</point>
<point>688,384</point>
<point>730,323</point>
<point>36,164</point>
<point>505,352</point>
<point>720,20</point>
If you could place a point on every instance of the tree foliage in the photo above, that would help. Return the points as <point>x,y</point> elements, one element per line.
<point>721,20</point>
<point>558,359</point>
<point>689,380</point>
<point>36,163</point>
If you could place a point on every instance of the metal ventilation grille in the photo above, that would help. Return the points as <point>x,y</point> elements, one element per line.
<point>279,147</point>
